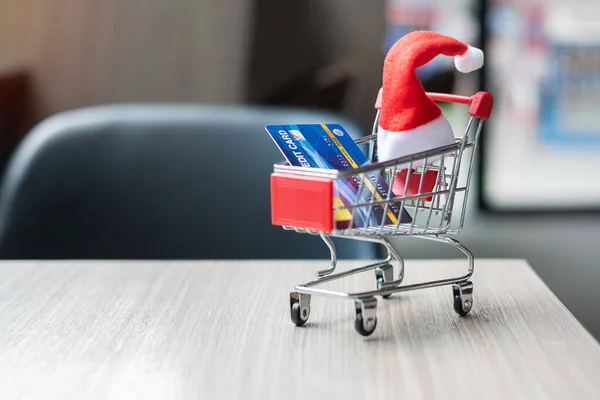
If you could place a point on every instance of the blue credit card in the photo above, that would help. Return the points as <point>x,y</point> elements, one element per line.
<point>334,143</point>
<point>337,148</point>
<point>299,151</point>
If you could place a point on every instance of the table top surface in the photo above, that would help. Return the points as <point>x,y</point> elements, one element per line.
<point>222,329</point>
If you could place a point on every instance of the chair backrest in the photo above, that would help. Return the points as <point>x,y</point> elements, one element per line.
<point>154,182</point>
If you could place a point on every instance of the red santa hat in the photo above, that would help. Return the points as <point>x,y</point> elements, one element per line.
<point>409,122</point>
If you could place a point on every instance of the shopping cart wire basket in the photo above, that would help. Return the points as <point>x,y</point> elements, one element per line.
<point>431,186</point>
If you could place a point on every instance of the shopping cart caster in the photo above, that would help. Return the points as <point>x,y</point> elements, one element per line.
<point>463,297</point>
<point>382,275</point>
<point>299,308</point>
<point>366,315</point>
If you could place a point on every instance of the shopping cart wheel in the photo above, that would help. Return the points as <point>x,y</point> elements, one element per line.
<point>299,308</point>
<point>382,275</point>
<point>463,297</point>
<point>366,315</point>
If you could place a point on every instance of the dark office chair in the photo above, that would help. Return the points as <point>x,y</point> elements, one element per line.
<point>153,182</point>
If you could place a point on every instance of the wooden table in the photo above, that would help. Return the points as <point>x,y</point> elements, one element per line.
<point>221,330</point>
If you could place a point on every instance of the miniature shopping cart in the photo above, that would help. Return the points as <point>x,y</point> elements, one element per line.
<point>431,186</point>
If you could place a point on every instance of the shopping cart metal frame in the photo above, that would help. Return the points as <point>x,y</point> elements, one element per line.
<point>303,187</point>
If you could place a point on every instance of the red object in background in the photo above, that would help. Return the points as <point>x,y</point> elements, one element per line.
<point>302,202</point>
<point>411,14</point>
<point>429,181</point>
<point>17,115</point>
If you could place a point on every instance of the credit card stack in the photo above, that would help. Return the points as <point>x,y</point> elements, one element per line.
<point>329,146</point>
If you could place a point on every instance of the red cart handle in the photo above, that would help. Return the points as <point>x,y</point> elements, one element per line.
<point>480,104</point>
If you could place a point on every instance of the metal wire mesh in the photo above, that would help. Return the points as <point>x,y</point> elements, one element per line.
<point>423,193</point>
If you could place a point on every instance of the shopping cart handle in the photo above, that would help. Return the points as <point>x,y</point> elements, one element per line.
<point>480,104</point>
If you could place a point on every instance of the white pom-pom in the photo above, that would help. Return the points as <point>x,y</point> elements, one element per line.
<point>470,61</point>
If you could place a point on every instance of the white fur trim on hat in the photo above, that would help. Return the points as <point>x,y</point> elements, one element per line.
<point>434,134</point>
<point>470,61</point>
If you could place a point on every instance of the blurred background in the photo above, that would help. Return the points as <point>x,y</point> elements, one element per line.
<point>535,195</point>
